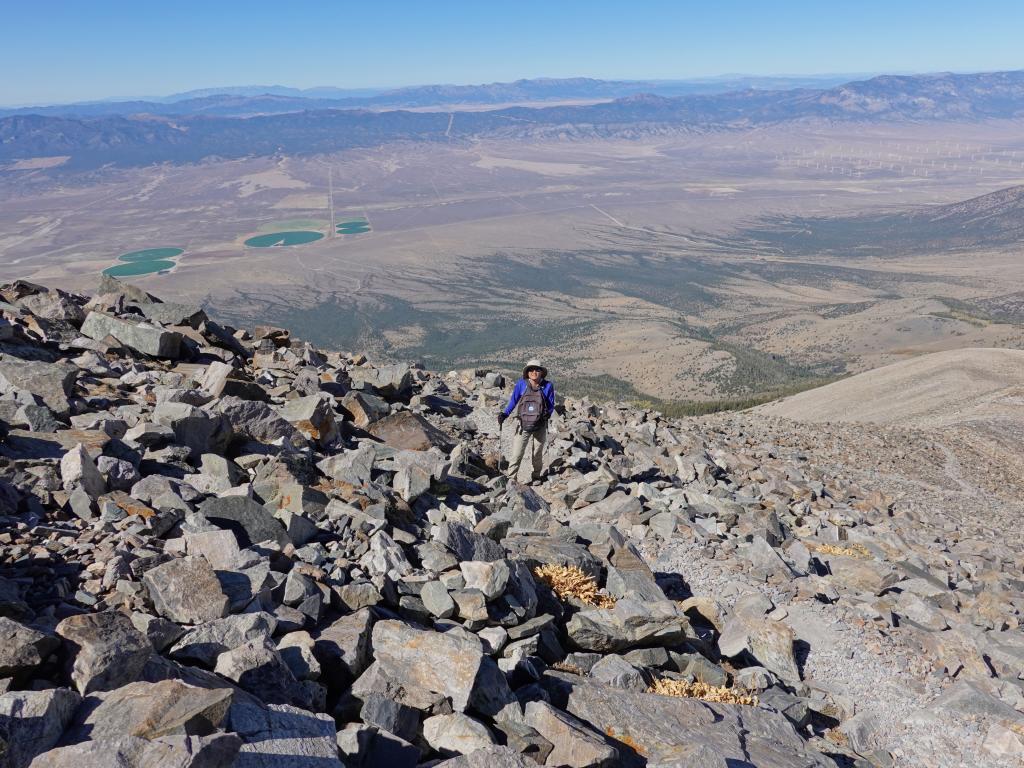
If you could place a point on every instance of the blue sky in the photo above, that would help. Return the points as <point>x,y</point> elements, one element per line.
<point>75,50</point>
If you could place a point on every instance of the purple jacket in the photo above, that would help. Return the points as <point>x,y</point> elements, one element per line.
<point>546,388</point>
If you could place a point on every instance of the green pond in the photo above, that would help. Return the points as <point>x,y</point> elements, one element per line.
<point>353,229</point>
<point>283,238</point>
<point>151,253</point>
<point>135,268</point>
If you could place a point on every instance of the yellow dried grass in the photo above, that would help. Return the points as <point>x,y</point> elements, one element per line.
<point>714,693</point>
<point>569,581</point>
<point>857,551</point>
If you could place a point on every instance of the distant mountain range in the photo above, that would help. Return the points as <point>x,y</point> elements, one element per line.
<point>239,101</point>
<point>141,139</point>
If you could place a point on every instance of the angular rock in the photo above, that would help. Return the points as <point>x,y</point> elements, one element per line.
<point>206,642</point>
<point>297,650</point>
<point>364,746</point>
<point>410,432</point>
<point>259,422</point>
<point>250,522</point>
<point>436,599</point>
<point>391,716</point>
<point>151,710</point>
<point>282,736</point>
<point>52,383</point>
<point>364,408</point>
<point>629,624</point>
<point>769,642</point>
<point>343,648</point>
<point>574,744</point>
<point>31,722</point>
<point>257,667</point>
<point>456,734</point>
<point>468,545</point>
<point>22,648</point>
<point>615,670</point>
<point>452,664</point>
<point>78,469</point>
<point>313,417</point>
<point>213,751</point>
<point>663,729</point>
<point>186,590</point>
<point>107,650</point>
<point>353,467</point>
<point>628,574</point>
<point>142,337</point>
<point>490,578</point>
<point>197,430</point>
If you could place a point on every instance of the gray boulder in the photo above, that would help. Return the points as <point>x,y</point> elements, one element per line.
<point>259,422</point>
<point>150,710</point>
<point>78,469</point>
<point>257,667</point>
<point>668,729</point>
<point>214,751</point>
<point>31,722</point>
<point>769,642</point>
<point>283,736</point>
<point>142,337</point>
<point>207,641</point>
<point>411,432</point>
<point>456,734</point>
<point>199,431</point>
<point>313,417</point>
<point>489,757</point>
<point>106,648</point>
<point>52,383</point>
<point>452,664</point>
<point>22,648</point>
<point>364,408</point>
<point>468,545</point>
<point>186,590</point>
<point>575,745</point>
<point>629,624</point>
<point>343,648</point>
<point>250,522</point>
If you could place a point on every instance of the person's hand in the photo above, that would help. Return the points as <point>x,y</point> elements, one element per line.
<point>501,419</point>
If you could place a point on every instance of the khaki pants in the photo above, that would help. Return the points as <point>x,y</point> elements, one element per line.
<point>535,442</point>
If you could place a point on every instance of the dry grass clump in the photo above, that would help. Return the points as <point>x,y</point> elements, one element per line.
<point>858,551</point>
<point>569,581</point>
<point>572,669</point>
<point>836,736</point>
<point>714,693</point>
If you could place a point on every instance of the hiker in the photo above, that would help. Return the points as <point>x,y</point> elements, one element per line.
<point>533,401</point>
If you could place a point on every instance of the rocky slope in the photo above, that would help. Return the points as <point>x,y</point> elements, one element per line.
<point>940,389</point>
<point>229,548</point>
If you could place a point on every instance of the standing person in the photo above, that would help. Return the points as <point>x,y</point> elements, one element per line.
<point>533,401</point>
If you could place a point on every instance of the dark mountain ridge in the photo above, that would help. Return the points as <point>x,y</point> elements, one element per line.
<point>273,99</point>
<point>91,142</point>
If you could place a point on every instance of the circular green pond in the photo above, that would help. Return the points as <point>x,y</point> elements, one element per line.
<point>283,238</point>
<point>353,229</point>
<point>136,268</point>
<point>151,253</point>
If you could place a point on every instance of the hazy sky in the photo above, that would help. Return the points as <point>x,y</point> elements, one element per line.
<point>77,50</point>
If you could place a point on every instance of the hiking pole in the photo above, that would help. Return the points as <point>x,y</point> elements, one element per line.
<point>501,450</point>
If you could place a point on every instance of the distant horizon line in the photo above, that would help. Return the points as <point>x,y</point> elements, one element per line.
<point>379,89</point>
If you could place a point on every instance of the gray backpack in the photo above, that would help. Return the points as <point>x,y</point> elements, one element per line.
<point>530,409</point>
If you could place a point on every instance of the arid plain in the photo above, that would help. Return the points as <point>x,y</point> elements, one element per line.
<point>687,266</point>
